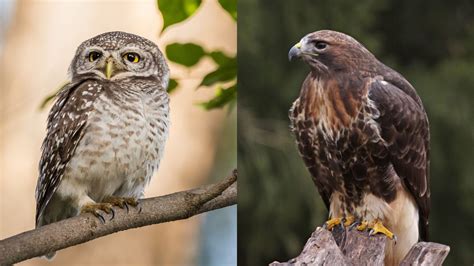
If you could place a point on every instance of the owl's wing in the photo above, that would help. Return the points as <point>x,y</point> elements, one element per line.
<point>66,123</point>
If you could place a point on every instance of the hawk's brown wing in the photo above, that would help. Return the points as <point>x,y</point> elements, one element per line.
<point>66,123</point>
<point>405,129</point>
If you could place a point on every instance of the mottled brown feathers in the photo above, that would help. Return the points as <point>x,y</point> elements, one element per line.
<point>360,126</point>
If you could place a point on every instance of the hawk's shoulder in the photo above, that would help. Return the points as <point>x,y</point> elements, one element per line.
<point>404,129</point>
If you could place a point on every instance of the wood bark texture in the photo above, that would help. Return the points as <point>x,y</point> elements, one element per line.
<point>344,246</point>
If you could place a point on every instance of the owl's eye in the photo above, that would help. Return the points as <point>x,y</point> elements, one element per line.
<point>132,57</point>
<point>320,45</point>
<point>94,56</point>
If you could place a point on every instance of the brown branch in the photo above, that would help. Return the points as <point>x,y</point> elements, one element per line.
<point>86,227</point>
<point>352,247</point>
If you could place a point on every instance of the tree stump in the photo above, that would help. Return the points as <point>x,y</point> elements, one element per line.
<point>351,247</point>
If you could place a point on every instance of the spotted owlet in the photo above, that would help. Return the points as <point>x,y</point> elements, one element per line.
<point>107,129</point>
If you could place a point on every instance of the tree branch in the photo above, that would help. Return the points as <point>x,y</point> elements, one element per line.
<point>86,227</point>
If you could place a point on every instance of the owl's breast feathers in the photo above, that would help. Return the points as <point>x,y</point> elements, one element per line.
<point>97,128</point>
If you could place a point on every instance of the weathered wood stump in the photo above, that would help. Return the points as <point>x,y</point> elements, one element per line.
<point>352,247</point>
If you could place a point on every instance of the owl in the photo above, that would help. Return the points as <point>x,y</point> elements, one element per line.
<point>107,129</point>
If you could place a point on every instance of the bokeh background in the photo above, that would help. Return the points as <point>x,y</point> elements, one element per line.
<point>37,42</point>
<point>430,42</point>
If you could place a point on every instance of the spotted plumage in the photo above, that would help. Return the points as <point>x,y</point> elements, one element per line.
<point>364,136</point>
<point>107,129</point>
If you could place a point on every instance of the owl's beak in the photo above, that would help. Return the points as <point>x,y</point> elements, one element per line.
<point>109,68</point>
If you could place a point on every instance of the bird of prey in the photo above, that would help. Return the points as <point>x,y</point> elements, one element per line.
<point>107,129</point>
<point>363,134</point>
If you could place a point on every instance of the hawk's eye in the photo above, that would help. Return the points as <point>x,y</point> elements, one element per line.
<point>94,56</point>
<point>132,57</point>
<point>320,45</point>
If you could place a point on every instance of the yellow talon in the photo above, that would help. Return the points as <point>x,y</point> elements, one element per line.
<point>349,220</point>
<point>378,227</point>
<point>363,225</point>
<point>331,223</point>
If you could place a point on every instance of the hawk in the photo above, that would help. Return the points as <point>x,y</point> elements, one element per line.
<point>106,131</point>
<point>363,134</point>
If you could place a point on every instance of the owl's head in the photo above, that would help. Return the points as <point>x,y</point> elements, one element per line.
<point>118,55</point>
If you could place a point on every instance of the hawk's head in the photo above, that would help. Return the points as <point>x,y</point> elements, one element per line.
<point>329,51</point>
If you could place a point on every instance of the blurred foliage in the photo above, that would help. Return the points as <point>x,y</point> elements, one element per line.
<point>230,6</point>
<point>224,76</point>
<point>175,11</point>
<point>430,43</point>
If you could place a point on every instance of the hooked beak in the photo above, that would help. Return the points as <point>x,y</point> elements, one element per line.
<point>109,68</point>
<point>295,51</point>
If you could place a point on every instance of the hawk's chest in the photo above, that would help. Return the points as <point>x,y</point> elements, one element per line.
<point>332,123</point>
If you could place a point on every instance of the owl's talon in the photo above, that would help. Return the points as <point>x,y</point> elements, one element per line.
<point>113,214</point>
<point>101,218</point>
<point>121,202</point>
<point>95,208</point>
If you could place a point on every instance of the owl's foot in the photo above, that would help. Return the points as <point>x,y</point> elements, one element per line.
<point>95,209</point>
<point>122,202</point>
<point>378,227</point>
<point>331,223</point>
<point>349,221</point>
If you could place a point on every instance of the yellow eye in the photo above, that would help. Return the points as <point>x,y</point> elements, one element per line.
<point>132,57</point>
<point>94,56</point>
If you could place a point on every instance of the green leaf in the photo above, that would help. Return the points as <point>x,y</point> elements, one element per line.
<point>187,54</point>
<point>220,58</point>
<point>173,84</point>
<point>175,11</point>
<point>51,96</point>
<point>222,98</point>
<point>230,6</point>
<point>223,73</point>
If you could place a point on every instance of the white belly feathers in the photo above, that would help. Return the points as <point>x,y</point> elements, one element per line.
<point>120,150</point>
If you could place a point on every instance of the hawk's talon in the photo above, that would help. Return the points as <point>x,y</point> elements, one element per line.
<point>354,225</point>
<point>331,223</point>
<point>349,220</point>
<point>362,226</point>
<point>378,227</point>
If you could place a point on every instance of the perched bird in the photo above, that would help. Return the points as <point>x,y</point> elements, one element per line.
<point>107,129</point>
<point>363,134</point>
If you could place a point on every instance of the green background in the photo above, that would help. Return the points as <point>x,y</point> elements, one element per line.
<point>431,43</point>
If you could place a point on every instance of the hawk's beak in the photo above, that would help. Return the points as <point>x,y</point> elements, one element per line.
<point>109,68</point>
<point>295,51</point>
